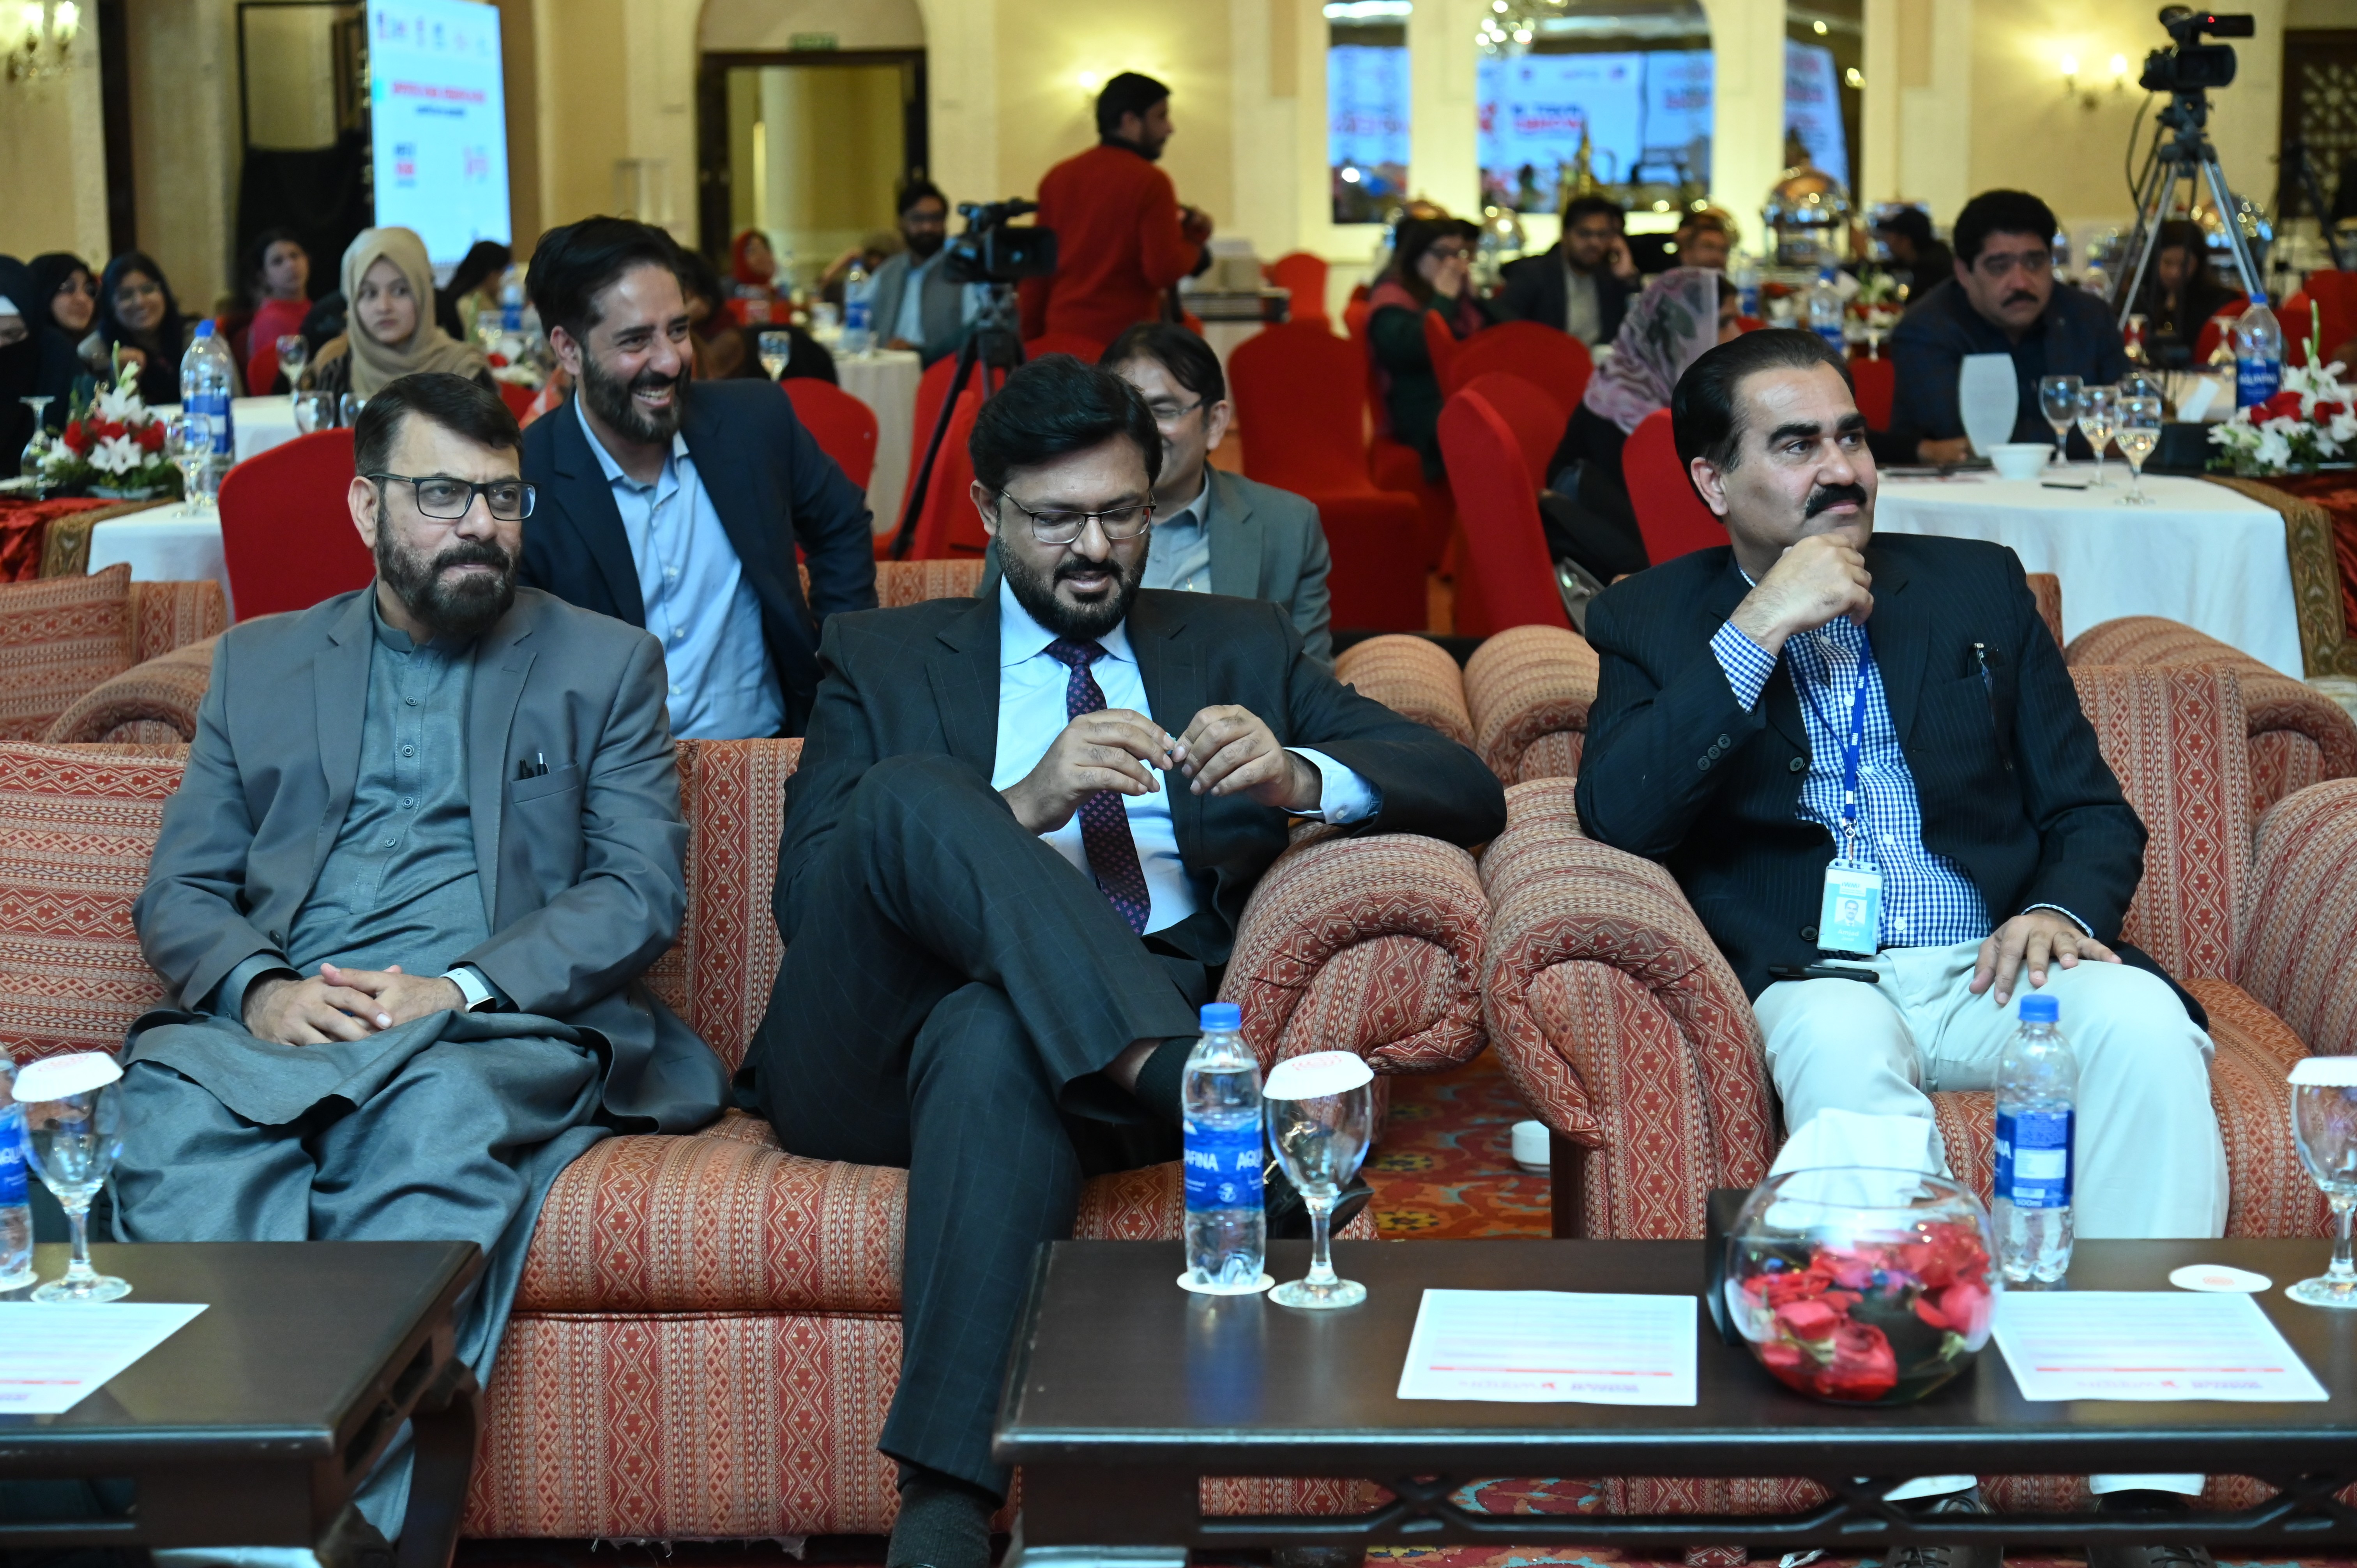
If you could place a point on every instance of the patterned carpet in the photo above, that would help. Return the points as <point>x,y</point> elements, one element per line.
<point>1444,1170</point>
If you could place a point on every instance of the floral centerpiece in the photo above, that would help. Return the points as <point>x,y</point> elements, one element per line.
<point>1862,1286</point>
<point>113,445</point>
<point>2311,421</point>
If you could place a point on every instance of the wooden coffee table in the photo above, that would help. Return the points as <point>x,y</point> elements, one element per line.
<point>255,1423</point>
<point>1123,1392</point>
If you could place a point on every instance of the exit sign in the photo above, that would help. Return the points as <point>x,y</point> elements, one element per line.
<point>812,41</point>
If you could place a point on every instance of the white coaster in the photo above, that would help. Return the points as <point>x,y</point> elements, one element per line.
<point>1258,1286</point>
<point>2218,1276</point>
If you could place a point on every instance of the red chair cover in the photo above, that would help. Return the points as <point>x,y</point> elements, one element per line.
<point>948,527</point>
<point>287,536</point>
<point>1392,465</point>
<point>1670,514</point>
<point>844,427</point>
<point>1441,345</point>
<point>1531,413</point>
<point>1499,510</point>
<point>1554,362</point>
<point>1875,386</point>
<point>518,397</point>
<point>1084,350</point>
<point>1304,276</point>
<point>2213,331</point>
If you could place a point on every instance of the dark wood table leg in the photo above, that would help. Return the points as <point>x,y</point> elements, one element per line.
<point>1567,1188</point>
<point>442,1429</point>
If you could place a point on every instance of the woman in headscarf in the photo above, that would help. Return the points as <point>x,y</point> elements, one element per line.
<point>390,331</point>
<point>138,314</point>
<point>1681,314</point>
<point>278,292</point>
<point>59,302</point>
<point>34,360</point>
<point>1431,270</point>
<point>753,266</point>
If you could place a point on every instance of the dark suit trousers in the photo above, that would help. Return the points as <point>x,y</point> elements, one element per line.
<point>947,1002</point>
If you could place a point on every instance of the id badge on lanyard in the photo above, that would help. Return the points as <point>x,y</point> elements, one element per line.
<point>1850,920</point>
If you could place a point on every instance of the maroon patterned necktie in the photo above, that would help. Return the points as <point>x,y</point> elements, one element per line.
<point>1104,821</point>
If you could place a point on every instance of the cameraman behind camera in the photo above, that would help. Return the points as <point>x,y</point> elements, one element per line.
<point>1123,236</point>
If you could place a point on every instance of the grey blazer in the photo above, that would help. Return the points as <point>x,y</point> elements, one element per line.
<point>940,318</point>
<point>581,866</point>
<point>1266,544</point>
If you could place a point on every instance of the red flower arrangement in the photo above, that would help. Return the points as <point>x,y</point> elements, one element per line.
<point>1881,1321</point>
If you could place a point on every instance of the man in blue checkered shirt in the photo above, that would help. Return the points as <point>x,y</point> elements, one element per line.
<point>1815,691</point>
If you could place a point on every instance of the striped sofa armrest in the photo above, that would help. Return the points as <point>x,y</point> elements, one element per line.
<point>1529,690</point>
<point>155,702</point>
<point>165,615</point>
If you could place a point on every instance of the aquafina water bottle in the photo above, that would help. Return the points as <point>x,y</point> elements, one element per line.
<point>206,374</point>
<point>2037,1118</point>
<point>858,301</point>
<point>2258,354</point>
<point>15,1218</point>
<point>1227,1234</point>
<point>1825,311</point>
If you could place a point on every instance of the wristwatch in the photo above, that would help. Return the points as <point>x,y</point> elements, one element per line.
<point>471,985</point>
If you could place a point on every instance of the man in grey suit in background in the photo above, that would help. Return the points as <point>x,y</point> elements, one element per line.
<point>915,304</point>
<point>1216,532</point>
<point>428,841</point>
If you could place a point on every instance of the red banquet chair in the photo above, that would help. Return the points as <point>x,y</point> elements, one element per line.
<point>1441,346</point>
<point>286,537</point>
<point>844,427</point>
<point>1084,350</point>
<point>518,397</point>
<point>1875,386</point>
<point>1670,514</point>
<point>1530,412</point>
<point>1303,276</point>
<point>1553,360</point>
<point>1499,510</point>
<point>2214,330</point>
<point>1393,465</point>
<point>2334,296</point>
<point>1297,390</point>
<point>947,526</point>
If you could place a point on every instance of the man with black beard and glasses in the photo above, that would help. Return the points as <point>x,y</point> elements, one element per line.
<point>427,842</point>
<point>1015,850</point>
<point>1863,760</point>
<point>678,506</point>
<point>916,303</point>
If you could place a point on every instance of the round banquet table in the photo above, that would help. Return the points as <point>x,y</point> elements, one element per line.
<point>2202,555</point>
<point>885,380</point>
<point>176,543</point>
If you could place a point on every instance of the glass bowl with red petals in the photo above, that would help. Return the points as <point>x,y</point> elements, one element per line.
<point>1862,1285</point>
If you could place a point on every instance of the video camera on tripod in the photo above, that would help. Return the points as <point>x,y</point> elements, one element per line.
<point>2181,149</point>
<point>2190,65</point>
<point>993,251</point>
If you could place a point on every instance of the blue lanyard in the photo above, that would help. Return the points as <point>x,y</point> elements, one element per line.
<point>1853,746</point>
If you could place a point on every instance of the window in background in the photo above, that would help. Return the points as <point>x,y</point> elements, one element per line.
<point>1824,52</point>
<point>1631,86</point>
<point>1367,107</point>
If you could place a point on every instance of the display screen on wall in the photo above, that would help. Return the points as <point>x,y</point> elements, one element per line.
<point>438,123</point>
<point>1813,107</point>
<point>1366,128</point>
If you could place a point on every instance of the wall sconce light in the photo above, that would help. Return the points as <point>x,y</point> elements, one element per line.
<point>2089,98</point>
<point>41,41</point>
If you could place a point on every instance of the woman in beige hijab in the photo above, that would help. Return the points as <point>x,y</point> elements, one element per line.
<point>388,330</point>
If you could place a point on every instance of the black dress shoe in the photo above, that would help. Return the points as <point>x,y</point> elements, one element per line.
<point>1288,1213</point>
<point>2164,1554</point>
<point>1979,1555</point>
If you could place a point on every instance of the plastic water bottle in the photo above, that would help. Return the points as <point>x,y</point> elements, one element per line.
<point>206,374</point>
<point>1825,311</point>
<point>857,288</point>
<point>511,301</point>
<point>15,1218</point>
<point>2258,354</point>
<point>2036,1099</point>
<point>1747,285</point>
<point>1227,1233</point>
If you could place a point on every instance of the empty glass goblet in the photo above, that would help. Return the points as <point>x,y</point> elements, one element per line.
<point>2058,399</point>
<point>292,355</point>
<point>2324,1125</point>
<point>189,442</point>
<point>777,353</point>
<point>2099,407</point>
<point>73,1131</point>
<point>348,409</point>
<point>314,411</point>
<point>1319,1112</point>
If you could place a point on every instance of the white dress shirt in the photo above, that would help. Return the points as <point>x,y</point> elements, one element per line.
<point>1032,714</point>
<point>723,684</point>
<point>1179,555</point>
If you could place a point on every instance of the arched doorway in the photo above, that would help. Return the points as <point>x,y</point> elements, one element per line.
<point>810,115</point>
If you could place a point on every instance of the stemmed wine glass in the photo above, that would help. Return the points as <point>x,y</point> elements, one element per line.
<point>2099,409</point>
<point>2139,433</point>
<point>314,411</point>
<point>1320,1114</point>
<point>348,410</point>
<point>2324,1125</point>
<point>189,442</point>
<point>2058,399</point>
<point>777,353</point>
<point>33,465</point>
<point>73,1130</point>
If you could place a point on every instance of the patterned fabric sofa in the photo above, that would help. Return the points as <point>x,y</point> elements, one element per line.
<point>1412,676</point>
<point>706,1339</point>
<point>62,638</point>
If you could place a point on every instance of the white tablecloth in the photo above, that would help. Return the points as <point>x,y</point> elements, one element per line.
<point>176,543</point>
<point>2202,554</point>
<point>885,380</point>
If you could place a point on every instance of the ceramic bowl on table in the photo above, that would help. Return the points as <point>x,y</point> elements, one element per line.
<point>2021,459</point>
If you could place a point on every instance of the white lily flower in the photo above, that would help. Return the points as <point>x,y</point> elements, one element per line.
<point>117,455</point>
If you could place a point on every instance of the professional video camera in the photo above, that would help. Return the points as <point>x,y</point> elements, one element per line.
<point>2191,65</point>
<point>993,251</point>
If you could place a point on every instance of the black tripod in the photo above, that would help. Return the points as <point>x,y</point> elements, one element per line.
<point>996,348</point>
<point>2182,150</point>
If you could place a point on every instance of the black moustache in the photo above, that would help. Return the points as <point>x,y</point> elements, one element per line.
<point>472,554</point>
<point>2021,297</point>
<point>1832,496</point>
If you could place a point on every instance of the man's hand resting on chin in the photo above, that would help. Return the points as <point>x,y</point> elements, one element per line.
<point>1812,582</point>
<point>343,1004</point>
<point>2035,938</point>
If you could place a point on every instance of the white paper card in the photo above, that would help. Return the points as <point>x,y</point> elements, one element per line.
<point>52,1355</point>
<point>1544,1347</point>
<point>2147,1345</point>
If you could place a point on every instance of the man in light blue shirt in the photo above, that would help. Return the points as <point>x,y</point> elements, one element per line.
<point>917,305</point>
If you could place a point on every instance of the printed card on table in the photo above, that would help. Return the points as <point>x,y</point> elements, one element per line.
<point>2147,1345</point>
<point>52,1355</point>
<point>1539,1347</point>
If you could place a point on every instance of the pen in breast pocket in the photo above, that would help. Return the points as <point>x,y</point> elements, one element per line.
<point>535,768</point>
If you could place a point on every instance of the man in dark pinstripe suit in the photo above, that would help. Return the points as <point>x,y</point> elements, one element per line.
<point>1814,714</point>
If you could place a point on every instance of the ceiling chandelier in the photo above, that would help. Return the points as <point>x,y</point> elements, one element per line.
<point>43,41</point>
<point>1511,25</point>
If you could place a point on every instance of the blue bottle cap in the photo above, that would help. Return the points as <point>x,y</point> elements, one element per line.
<point>2038,1008</point>
<point>1221,1016</point>
<point>205,327</point>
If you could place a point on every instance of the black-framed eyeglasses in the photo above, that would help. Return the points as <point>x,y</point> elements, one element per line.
<point>449,500</point>
<point>1064,527</point>
<point>1171,414</point>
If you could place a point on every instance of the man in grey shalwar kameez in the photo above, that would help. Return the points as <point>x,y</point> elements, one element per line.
<point>428,840</point>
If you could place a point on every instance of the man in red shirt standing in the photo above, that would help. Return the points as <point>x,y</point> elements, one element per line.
<point>1121,236</point>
